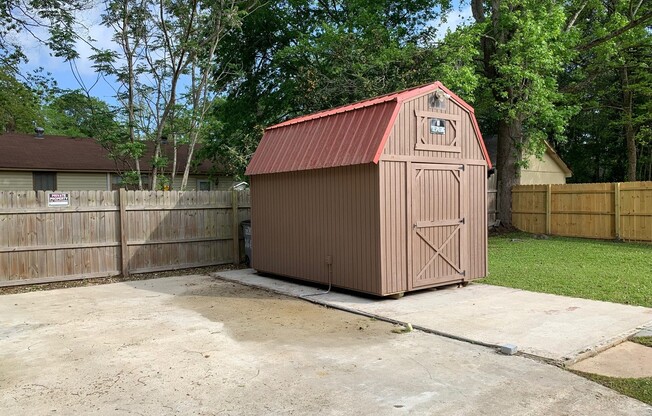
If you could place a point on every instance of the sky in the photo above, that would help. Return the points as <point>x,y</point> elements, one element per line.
<point>40,56</point>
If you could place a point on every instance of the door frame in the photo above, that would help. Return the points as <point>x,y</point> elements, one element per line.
<point>411,178</point>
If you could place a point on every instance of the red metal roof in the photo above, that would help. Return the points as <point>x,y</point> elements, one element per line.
<point>349,135</point>
<point>20,151</point>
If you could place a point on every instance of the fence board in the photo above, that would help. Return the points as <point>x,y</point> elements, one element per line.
<point>101,230</point>
<point>599,210</point>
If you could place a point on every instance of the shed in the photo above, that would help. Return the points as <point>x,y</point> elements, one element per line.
<point>383,196</point>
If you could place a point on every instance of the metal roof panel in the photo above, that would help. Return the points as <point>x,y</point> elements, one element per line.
<point>349,135</point>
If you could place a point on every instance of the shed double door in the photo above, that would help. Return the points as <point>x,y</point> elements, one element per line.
<point>438,234</point>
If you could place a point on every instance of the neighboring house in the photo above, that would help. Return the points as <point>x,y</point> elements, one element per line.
<point>550,169</point>
<point>28,162</point>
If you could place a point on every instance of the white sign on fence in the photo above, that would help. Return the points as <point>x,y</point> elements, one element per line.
<point>58,199</point>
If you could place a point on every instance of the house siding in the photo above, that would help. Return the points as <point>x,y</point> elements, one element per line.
<point>16,181</point>
<point>224,183</point>
<point>542,171</point>
<point>71,181</point>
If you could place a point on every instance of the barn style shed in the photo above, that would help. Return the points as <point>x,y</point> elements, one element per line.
<point>383,196</point>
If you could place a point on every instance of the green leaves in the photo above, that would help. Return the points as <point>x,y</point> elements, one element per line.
<point>19,105</point>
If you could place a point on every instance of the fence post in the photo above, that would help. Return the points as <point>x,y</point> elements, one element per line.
<point>617,209</point>
<point>548,208</point>
<point>124,249</point>
<point>235,229</point>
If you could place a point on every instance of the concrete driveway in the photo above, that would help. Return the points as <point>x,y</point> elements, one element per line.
<point>195,345</point>
<point>556,328</point>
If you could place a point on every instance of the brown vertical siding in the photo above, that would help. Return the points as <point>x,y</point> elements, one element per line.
<point>401,200</point>
<point>404,134</point>
<point>477,221</point>
<point>301,218</point>
<point>394,226</point>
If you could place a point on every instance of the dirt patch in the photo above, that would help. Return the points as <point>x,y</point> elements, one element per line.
<point>114,279</point>
<point>254,315</point>
<point>502,229</point>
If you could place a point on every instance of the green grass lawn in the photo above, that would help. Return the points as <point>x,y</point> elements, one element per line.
<point>638,388</point>
<point>591,269</point>
<point>647,341</point>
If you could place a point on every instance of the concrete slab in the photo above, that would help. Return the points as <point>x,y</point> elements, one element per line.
<point>556,328</point>
<point>195,345</point>
<point>645,332</point>
<point>626,360</point>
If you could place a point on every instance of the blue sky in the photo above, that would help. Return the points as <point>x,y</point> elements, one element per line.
<point>40,56</point>
<point>104,89</point>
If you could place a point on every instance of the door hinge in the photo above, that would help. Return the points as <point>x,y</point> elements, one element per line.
<point>462,167</point>
<point>463,273</point>
<point>463,221</point>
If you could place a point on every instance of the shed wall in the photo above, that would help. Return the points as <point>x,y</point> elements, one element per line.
<point>300,219</point>
<point>396,198</point>
<point>477,221</point>
<point>394,226</point>
<point>395,230</point>
<point>403,138</point>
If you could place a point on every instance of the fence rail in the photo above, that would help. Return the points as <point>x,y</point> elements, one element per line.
<point>599,210</point>
<point>106,233</point>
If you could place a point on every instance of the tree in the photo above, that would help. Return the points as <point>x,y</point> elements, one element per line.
<point>75,114</point>
<point>56,17</point>
<point>609,80</point>
<point>165,67</point>
<point>524,48</point>
<point>292,58</point>
<point>19,105</point>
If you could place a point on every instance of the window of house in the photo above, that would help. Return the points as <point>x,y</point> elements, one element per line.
<point>44,181</point>
<point>116,181</point>
<point>203,185</point>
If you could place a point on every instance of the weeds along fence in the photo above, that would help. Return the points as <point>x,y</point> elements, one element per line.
<point>51,236</point>
<point>598,210</point>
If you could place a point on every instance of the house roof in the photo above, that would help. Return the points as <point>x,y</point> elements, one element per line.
<point>491,143</point>
<point>554,156</point>
<point>349,135</point>
<point>20,151</point>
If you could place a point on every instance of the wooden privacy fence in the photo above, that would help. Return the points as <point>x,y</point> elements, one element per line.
<point>84,234</point>
<point>595,210</point>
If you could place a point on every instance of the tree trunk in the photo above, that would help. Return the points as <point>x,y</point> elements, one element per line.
<point>174,161</point>
<point>508,165</point>
<point>131,88</point>
<point>630,135</point>
<point>157,153</point>
<point>186,170</point>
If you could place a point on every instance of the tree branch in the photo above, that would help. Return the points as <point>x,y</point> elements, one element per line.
<point>572,21</point>
<point>634,23</point>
